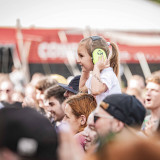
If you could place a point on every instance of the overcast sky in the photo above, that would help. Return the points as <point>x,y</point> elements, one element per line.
<point>98,14</point>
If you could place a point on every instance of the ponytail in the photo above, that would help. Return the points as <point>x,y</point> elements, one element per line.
<point>114,61</point>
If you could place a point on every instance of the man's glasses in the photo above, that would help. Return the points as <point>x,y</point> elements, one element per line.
<point>96,117</point>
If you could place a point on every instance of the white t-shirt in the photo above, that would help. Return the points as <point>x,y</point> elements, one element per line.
<point>109,78</point>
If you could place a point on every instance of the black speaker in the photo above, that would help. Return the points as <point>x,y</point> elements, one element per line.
<point>6,59</point>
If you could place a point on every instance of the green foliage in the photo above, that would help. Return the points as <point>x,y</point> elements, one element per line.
<point>158,1</point>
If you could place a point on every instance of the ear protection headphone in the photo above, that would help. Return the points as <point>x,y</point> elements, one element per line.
<point>98,51</point>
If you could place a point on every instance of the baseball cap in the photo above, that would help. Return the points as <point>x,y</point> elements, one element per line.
<point>27,133</point>
<point>73,86</point>
<point>125,108</point>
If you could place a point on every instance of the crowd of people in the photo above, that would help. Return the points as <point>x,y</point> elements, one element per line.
<point>89,117</point>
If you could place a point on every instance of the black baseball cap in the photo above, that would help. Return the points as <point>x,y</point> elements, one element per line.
<point>27,133</point>
<point>73,86</point>
<point>125,108</point>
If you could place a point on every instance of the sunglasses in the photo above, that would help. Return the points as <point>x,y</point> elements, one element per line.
<point>96,117</point>
<point>94,38</point>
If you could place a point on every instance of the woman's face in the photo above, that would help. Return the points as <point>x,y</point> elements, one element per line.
<point>71,119</point>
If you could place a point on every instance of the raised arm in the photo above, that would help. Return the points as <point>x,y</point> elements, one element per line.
<point>83,79</point>
<point>97,86</point>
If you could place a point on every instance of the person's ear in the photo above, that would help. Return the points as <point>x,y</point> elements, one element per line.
<point>83,119</point>
<point>117,126</point>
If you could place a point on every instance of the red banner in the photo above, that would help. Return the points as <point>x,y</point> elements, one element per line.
<point>46,46</point>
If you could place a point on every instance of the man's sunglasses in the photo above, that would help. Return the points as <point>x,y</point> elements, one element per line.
<point>96,117</point>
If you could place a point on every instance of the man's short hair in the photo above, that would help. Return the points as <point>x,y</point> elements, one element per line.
<point>56,91</point>
<point>155,77</point>
<point>45,83</point>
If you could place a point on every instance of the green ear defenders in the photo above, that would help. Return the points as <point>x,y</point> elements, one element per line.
<point>98,51</point>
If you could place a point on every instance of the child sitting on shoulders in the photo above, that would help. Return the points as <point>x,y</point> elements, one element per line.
<point>94,55</point>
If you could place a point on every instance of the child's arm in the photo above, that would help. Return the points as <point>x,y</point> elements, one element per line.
<point>83,79</point>
<point>97,86</point>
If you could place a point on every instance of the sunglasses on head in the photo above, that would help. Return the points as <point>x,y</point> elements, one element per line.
<point>96,117</point>
<point>94,38</point>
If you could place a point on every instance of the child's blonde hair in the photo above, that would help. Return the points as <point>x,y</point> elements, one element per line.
<point>101,43</point>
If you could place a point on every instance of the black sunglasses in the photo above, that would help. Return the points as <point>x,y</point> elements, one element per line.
<point>96,117</point>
